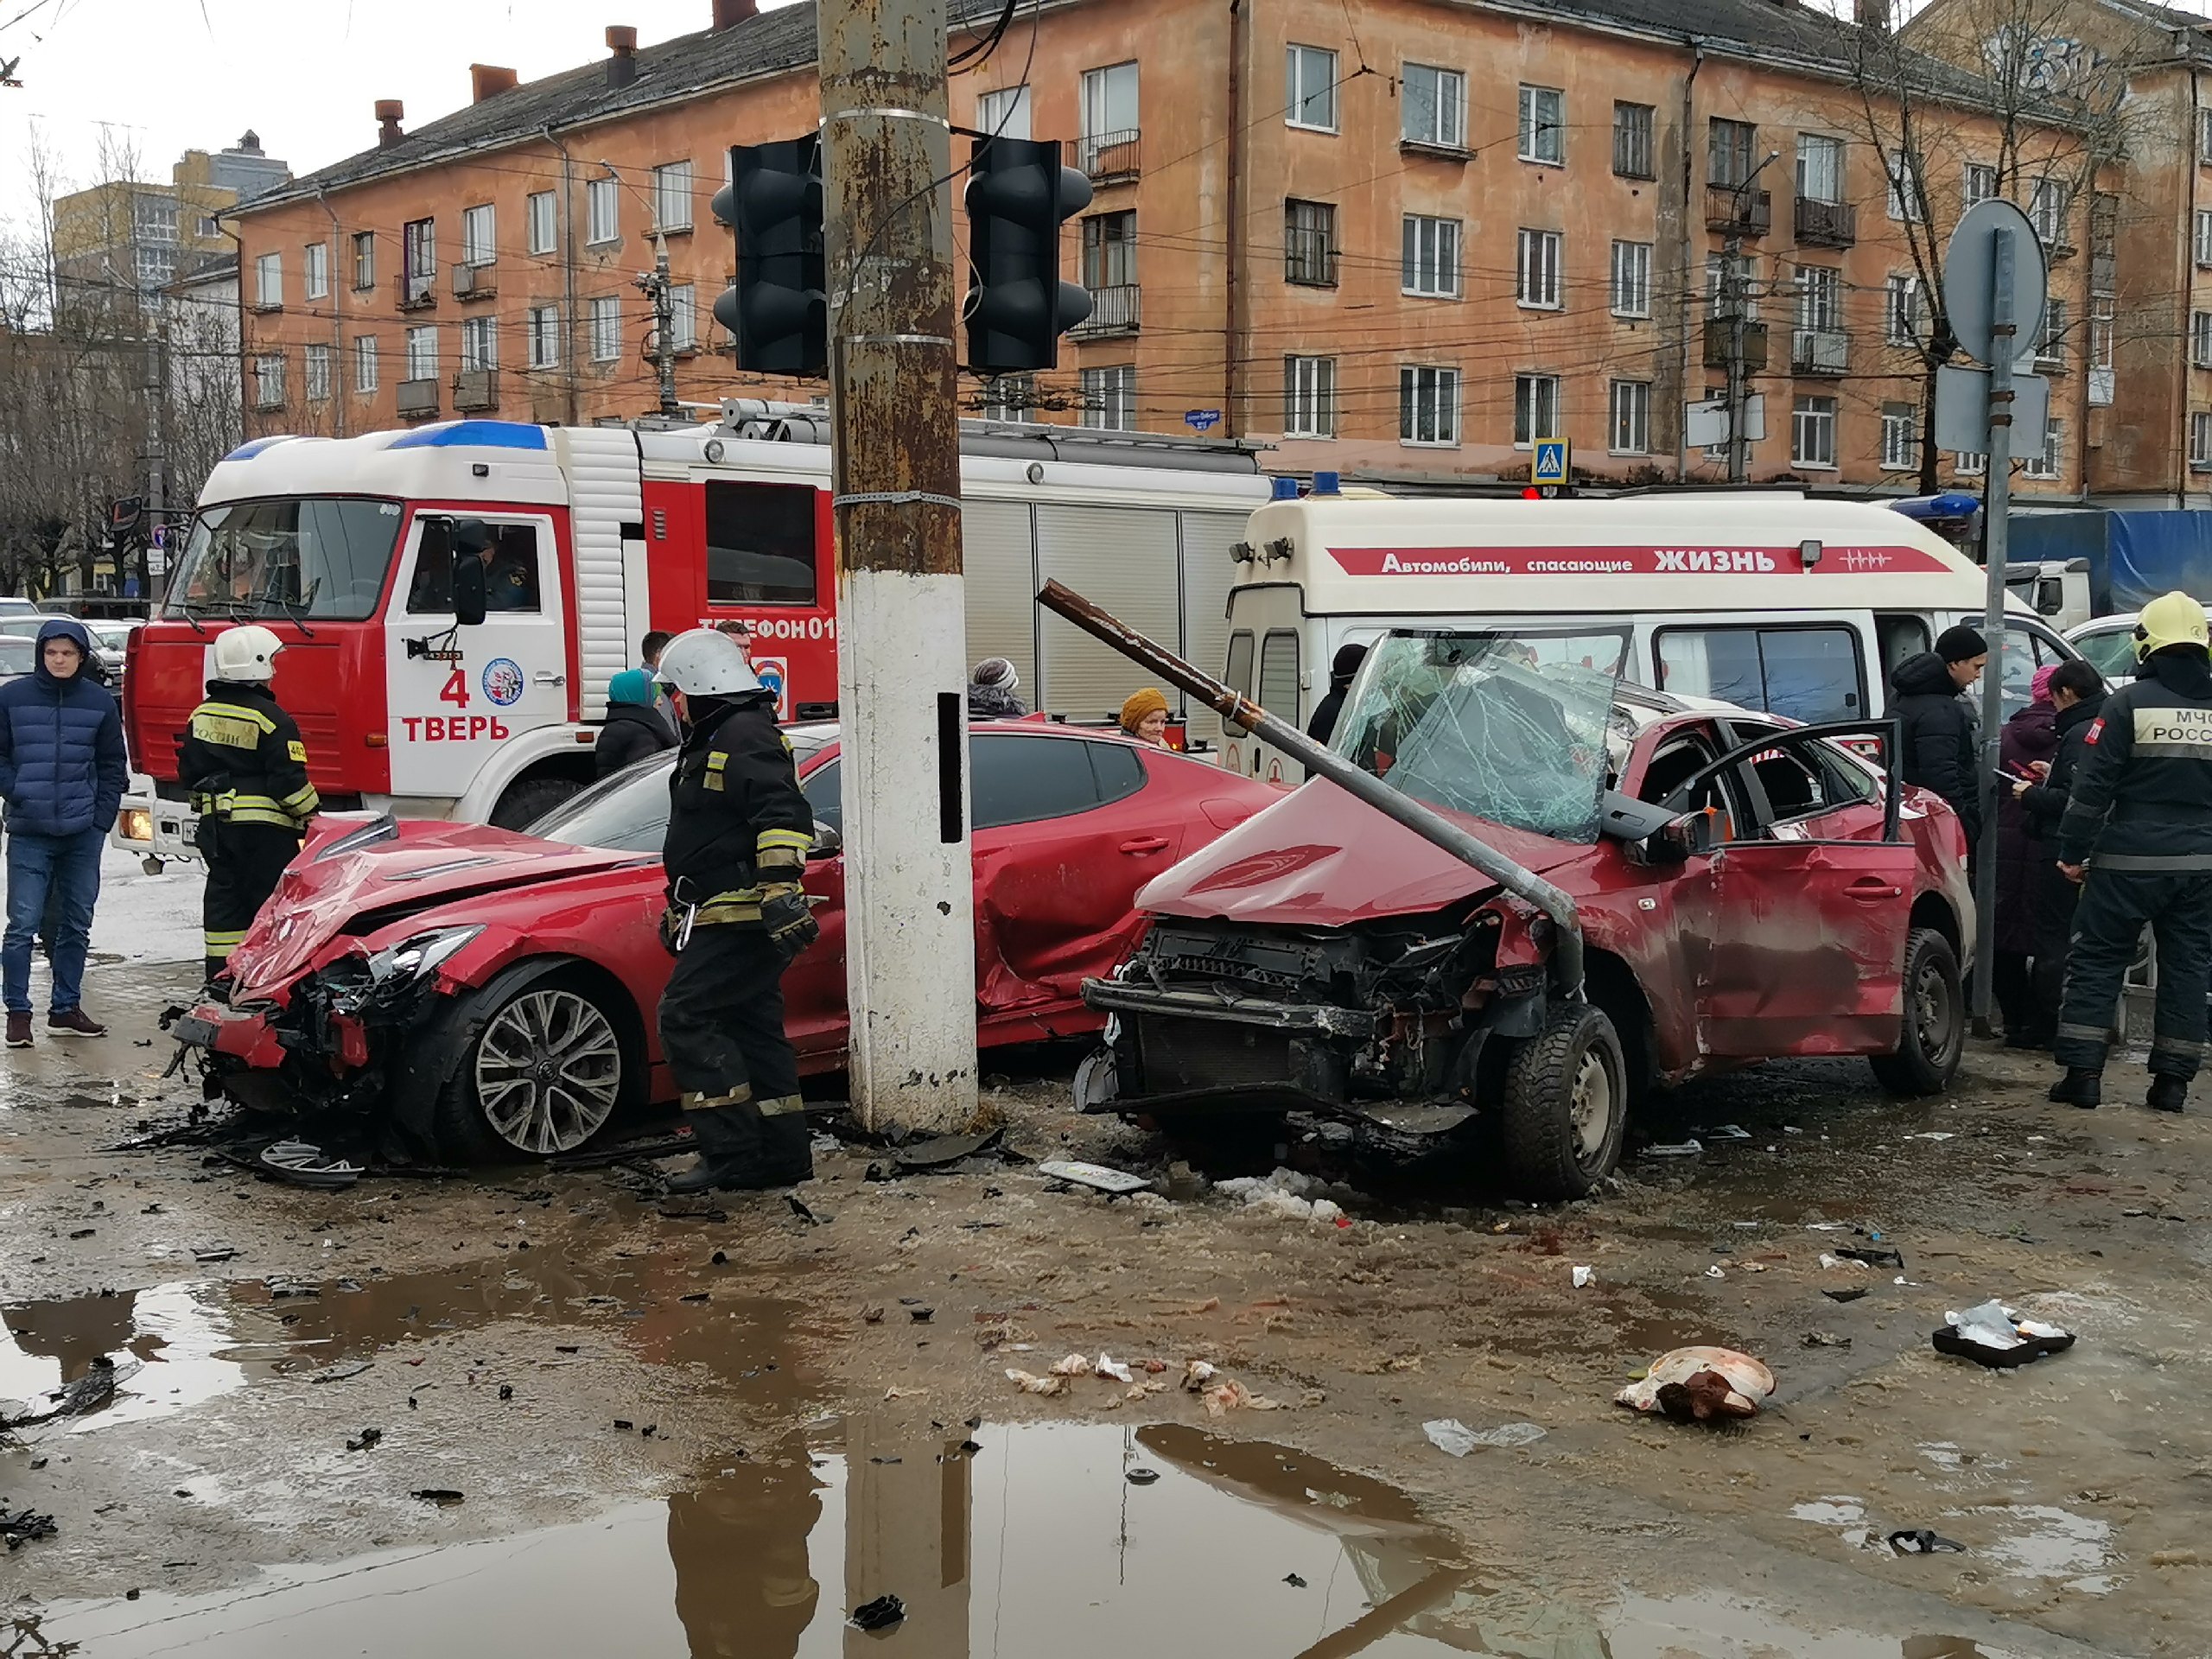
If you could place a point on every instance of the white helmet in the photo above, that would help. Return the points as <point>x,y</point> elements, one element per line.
<point>247,653</point>
<point>706,663</point>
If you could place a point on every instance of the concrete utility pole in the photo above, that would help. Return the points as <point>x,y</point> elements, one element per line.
<point>902,672</point>
<point>1736,299</point>
<point>657,287</point>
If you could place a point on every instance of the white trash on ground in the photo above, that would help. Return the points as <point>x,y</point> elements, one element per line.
<point>1286,1193</point>
<point>1450,1434</point>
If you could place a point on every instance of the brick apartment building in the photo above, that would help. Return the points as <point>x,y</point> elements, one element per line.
<point>1400,238</point>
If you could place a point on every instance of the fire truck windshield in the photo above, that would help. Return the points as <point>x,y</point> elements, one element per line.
<point>318,557</point>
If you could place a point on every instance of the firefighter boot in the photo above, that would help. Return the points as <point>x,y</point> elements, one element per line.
<point>2080,1087</point>
<point>786,1150</point>
<point>728,1140</point>
<point>2168,1093</point>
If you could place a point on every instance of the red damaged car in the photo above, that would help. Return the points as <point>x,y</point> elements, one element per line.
<point>1672,890</point>
<point>487,993</point>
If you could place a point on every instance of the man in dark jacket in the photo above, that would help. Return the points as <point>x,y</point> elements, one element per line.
<point>1927,696</point>
<point>2137,834</point>
<point>2077,691</point>
<point>61,773</point>
<point>634,727</point>
<point>1343,668</point>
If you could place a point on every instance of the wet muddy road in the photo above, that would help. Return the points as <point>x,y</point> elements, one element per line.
<point>656,1430</point>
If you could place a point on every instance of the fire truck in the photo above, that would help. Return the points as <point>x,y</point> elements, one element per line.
<point>601,534</point>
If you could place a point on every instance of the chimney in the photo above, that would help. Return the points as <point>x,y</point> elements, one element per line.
<point>1874,16</point>
<point>622,67</point>
<point>730,13</point>
<point>488,80</point>
<point>388,110</point>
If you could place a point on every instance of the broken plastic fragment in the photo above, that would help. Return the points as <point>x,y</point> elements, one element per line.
<point>1678,1149</point>
<point>1450,1434</point>
<point>1583,1277</point>
<point>879,1615</point>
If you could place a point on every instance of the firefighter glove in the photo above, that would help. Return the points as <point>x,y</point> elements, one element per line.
<point>790,921</point>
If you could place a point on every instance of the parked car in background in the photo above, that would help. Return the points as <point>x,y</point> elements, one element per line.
<point>18,655</point>
<point>491,993</point>
<point>12,606</point>
<point>2109,643</point>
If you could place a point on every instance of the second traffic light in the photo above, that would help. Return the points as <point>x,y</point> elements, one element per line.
<point>1018,197</point>
<point>778,308</point>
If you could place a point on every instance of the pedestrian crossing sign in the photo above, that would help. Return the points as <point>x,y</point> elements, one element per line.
<point>1548,464</point>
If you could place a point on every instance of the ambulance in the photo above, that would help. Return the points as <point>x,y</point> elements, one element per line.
<point>344,547</point>
<point>1769,600</point>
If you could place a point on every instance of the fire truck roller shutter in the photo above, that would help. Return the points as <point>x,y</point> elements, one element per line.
<point>604,484</point>
<point>1122,559</point>
<point>998,542</point>
<point>1208,572</point>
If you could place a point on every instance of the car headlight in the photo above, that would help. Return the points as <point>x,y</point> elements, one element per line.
<point>411,958</point>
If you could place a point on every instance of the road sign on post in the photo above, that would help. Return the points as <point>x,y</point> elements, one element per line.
<point>1993,283</point>
<point>1548,465</point>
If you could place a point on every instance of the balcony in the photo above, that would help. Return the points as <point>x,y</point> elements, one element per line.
<point>418,291</point>
<point>1818,350</point>
<point>1108,157</point>
<point>417,400</point>
<point>1826,224</point>
<point>475,389</point>
<point>1718,333</point>
<point>1113,311</point>
<point>475,282</point>
<point>1739,211</point>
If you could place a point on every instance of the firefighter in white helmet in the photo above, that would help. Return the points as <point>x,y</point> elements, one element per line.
<point>242,759</point>
<point>738,829</point>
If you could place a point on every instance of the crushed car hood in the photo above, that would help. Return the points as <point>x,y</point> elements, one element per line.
<point>1321,858</point>
<point>424,866</point>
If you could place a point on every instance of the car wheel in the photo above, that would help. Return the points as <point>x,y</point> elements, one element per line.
<point>528,801</point>
<point>543,1076</point>
<point>1935,1032</point>
<point>1565,1106</point>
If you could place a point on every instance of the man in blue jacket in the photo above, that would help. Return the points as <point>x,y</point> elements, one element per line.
<point>61,774</point>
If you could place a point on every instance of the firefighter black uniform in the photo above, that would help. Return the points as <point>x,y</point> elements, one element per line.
<point>2139,817</point>
<point>242,761</point>
<point>738,834</point>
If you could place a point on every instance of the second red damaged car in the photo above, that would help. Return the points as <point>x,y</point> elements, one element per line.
<point>488,994</point>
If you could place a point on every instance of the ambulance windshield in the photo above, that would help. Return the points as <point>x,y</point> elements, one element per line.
<point>1518,728</point>
<point>317,556</point>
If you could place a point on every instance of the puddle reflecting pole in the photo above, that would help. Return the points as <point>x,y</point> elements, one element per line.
<point>902,675</point>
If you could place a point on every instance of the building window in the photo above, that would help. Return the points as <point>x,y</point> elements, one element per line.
<point>539,211</point>
<point>1820,298</point>
<point>2047,212</point>
<point>1109,251</point>
<point>269,280</point>
<point>1009,397</point>
<point>684,316</point>
<point>602,210</point>
<point>364,259</point>
<point>1429,257</point>
<point>1311,100</point>
<point>672,196</point>
<point>543,336</point>
<point>1108,112</point>
<point>1435,107</point>
<point>2200,339</point>
<point>1309,396</point>
<point>2051,348</point>
<point>1812,432</point>
<point>2199,441</point>
<point>2045,466</point>
<point>1537,284</point>
<point>418,257</point>
<point>1908,201</point>
<point>480,344</point>
<point>1005,113</point>
<point>314,271</point>
<point>479,243</point>
<point>1543,125</point>
<point>1728,152</point>
<point>1632,141</point>
<point>606,329</point>
<point>1631,418</point>
<point>1900,438</point>
<point>1309,243</point>
<point>1631,279</point>
<point>1536,408</point>
<point>1428,405</point>
<point>1901,309</point>
<point>1718,303</point>
<point>2204,237</point>
<point>1819,168</point>
<point>365,363</point>
<point>1970,463</point>
<point>423,353</point>
<point>318,374</point>
<point>210,227</point>
<point>1981,183</point>
<point>2103,314</point>
<point>1109,397</point>
<point>268,381</point>
<point>2204,137</point>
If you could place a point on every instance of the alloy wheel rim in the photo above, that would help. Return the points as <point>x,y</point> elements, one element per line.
<point>548,1071</point>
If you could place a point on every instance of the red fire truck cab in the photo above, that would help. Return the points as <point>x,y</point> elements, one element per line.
<point>343,546</point>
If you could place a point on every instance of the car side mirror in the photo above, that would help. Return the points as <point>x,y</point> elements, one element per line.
<point>828,844</point>
<point>468,601</point>
<point>1692,835</point>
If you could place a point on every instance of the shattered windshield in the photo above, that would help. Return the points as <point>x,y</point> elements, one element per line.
<point>317,556</point>
<point>1515,727</point>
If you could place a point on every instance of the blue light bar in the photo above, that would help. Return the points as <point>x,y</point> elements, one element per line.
<point>473,435</point>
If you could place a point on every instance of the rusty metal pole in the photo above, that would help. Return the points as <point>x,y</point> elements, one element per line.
<point>902,674</point>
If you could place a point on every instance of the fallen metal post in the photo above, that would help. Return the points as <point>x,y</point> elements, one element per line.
<point>1426,822</point>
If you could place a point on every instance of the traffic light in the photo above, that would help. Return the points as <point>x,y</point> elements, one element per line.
<point>1018,197</point>
<point>778,308</point>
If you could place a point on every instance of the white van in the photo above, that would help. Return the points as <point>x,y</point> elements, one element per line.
<point>1769,599</point>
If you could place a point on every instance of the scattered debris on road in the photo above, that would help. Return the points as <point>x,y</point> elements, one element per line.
<point>1115,1183</point>
<point>20,1526</point>
<point>1451,1435</point>
<point>1921,1541</point>
<point>879,1615</point>
<point>1700,1385</point>
<point>1994,1334</point>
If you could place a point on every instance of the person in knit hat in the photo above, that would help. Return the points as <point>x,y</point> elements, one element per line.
<point>992,690</point>
<point>1927,697</point>
<point>1144,716</point>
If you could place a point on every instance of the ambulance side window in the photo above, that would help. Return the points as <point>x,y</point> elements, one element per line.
<point>760,544</point>
<point>1279,675</point>
<point>1902,638</point>
<point>1808,673</point>
<point>510,572</point>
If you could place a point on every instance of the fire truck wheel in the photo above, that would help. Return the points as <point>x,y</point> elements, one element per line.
<point>546,1071</point>
<point>1565,1106</point>
<point>529,799</point>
